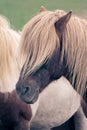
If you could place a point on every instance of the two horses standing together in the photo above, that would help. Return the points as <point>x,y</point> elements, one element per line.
<point>52,45</point>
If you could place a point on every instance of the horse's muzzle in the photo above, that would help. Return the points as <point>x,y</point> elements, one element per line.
<point>28,94</point>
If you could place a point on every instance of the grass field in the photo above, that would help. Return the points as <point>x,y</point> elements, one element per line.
<point>20,11</point>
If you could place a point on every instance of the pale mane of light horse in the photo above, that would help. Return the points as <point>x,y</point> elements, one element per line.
<point>9,40</point>
<point>39,40</point>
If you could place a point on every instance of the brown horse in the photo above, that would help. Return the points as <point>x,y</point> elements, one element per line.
<point>53,44</point>
<point>14,114</point>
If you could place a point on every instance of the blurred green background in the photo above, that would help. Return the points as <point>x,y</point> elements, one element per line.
<point>20,11</point>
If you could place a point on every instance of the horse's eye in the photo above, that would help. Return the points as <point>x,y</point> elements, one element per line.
<point>45,66</point>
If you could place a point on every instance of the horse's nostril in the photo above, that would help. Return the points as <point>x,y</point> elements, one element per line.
<point>25,90</point>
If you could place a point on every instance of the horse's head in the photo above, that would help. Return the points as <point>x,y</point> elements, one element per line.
<point>42,40</point>
<point>14,114</point>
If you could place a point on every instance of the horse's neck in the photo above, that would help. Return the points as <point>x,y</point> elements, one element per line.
<point>76,54</point>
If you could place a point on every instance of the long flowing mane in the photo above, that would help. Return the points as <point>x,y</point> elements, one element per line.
<point>9,40</point>
<point>39,41</point>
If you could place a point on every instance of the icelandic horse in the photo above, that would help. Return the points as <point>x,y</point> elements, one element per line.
<point>54,44</point>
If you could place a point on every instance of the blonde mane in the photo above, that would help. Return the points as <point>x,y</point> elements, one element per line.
<point>39,41</point>
<point>4,22</point>
<point>9,40</point>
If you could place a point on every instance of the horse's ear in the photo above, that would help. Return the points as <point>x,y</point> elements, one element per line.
<point>42,8</point>
<point>62,22</point>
